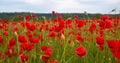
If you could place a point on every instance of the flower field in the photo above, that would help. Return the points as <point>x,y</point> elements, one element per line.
<point>60,40</point>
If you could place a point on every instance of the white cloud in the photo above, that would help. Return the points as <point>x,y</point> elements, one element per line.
<point>59,5</point>
<point>66,5</point>
<point>111,1</point>
<point>34,1</point>
<point>92,6</point>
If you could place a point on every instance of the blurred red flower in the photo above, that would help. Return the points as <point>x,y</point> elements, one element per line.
<point>5,33</point>
<point>33,15</point>
<point>27,17</point>
<point>79,38</point>
<point>80,23</point>
<point>51,34</point>
<point>10,51</point>
<point>34,40</point>
<point>22,39</point>
<point>111,43</point>
<point>31,27</point>
<point>15,29</point>
<point>12,42</point>
<point>53,12</point>
<point>47,53</point>
<point>92,28</point>
<point>100,40</point>
<point>1,40</point>
<point>76,16</point>
<point>44,58</point>
<point>81,51</point>
<point>117,50</point>
<point>104,17</point>
<point>24,58</point>
<point>43,48</point>
<point>26,46</point>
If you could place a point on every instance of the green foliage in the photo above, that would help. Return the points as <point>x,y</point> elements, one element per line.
<point>97,16</point>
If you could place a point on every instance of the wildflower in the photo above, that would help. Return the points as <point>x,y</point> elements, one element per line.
<point>100,40</point>
<point>5,33</point>
<point>81,51</point>
<point>1,40</point>
<point>27,17</point>
<point>12,42</point>
<point>79,38</point>
<point>92,28</point>
<point>22,39</point>
<point>33,15</point>
<point>34,40</point>
<point>26,46</point>
<point>24,58</point>
<point>10,51</point>
<point>51,34</point>
<point>53,13</point>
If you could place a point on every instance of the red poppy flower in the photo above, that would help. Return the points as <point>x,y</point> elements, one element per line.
<point>51,34</point>
<point>100,40</point>
<point>5,33</point>
<point>81,51</point>
<point>79,38</point>
<point>101,31</point>
<point>44,58</point>
<point>53,12</point>
<point>29,34</point>
<point>60,27</point>
<point>24,58</point>
<point>43,48</point>
<point>34,40</point>
<point>22,39</point>
<point>117,50</point>
<point>102,24</point>
<point>15,29</point>
<point>92,28</point>
<point>111,43</point>
<point>10,51</point>
<point>26,46</point>
<point>80,23</point>
<point>1,40</point>
<point>76,16</point>
<point>27,17</point>
<point>108,24</point>
<point>104,17</point>
<point>31,27</point>
<point>48,52</point>
<point>33,15</point>
<point>12,42</point>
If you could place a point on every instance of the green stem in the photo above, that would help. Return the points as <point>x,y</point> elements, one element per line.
<point>62,57</point>
<point>69,59</point>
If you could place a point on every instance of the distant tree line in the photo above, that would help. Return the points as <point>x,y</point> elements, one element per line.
<point>14,16</point>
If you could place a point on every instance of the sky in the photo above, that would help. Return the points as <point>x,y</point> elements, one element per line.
<point>60,6</point>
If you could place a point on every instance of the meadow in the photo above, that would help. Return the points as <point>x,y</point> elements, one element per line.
<point>60,40</point>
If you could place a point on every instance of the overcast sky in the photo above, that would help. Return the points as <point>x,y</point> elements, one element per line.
<point>60,6</point>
